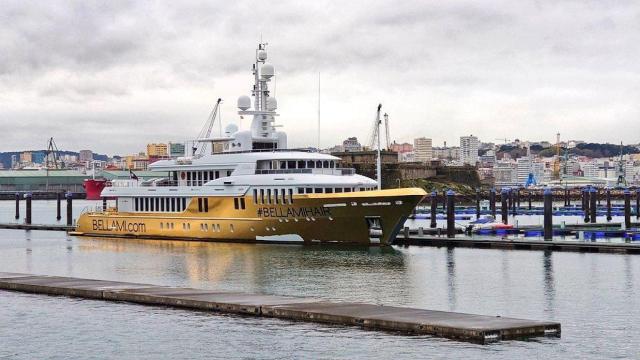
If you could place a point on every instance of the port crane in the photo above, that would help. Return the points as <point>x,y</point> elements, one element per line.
<point>205,133</point>
<point>52,156</point>
<point>622,181</point>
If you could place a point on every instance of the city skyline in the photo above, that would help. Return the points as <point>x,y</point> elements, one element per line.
<point>108,76</point>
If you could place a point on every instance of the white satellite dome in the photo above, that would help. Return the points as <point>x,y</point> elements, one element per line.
<point>231,129</point>
<point>262,55</point>
<point>267,71</point>
<point>272,103</point>
<point>244,102</point>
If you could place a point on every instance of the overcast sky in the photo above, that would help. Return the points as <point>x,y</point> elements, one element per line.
<point>113,76</point>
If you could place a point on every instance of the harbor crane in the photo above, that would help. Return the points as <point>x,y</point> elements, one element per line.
<point>205,133</point>
<point>51,156</point>
<point>375,138</point>
<point>622,181</point>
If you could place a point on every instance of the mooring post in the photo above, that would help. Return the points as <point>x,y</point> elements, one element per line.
<point>529,198</point>
<point>516,202</point>
<point>477,203</point>
<point>58,212</point>
<point>585,203</point>
<point>451,214</point>
<point>444,201</point>
<point>69,209</point>
<point>582,191</point>
<point>17,206</point>
<point>568,197</point>
<point>637,203</point>
<point>627,209</point>
<point>608,204</point>
<point>492,202</point>
<point>593,205</point>
<point>504,209</point>
<point>27,218</point>
<point>548,214</point>
<point>434,208</point>
<point>510,199</point>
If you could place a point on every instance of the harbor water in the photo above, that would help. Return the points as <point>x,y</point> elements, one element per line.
<point>596,297</point>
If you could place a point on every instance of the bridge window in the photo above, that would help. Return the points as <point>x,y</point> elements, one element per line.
<point>291,164</point>
<point>184,204</point>
<point>338,190</point>
<point>318,190</point>
<point>328,190</point>
<point>302,164</point>
<point>325,164</point>
<point>309,191</point>
<point>146,204</point>
<point>311,164</point>
<point>347,189</point>
<point>300,190</point>
<point>318,164</point>
<point>217,173</point>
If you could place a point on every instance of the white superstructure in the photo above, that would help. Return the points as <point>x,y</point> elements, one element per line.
<point>254,161</point>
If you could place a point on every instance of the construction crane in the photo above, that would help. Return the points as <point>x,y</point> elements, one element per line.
<point>375,131</point>
<point>51,156</point>
<point>622,181</point>
<point>205,133</point>
<point>506,141</point>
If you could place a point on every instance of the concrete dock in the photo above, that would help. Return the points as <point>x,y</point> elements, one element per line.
<point>465,327</point>
<point>50,227</point>
<point>519,244</point>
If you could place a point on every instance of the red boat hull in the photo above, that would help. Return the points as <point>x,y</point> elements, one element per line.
<point>93,188</point>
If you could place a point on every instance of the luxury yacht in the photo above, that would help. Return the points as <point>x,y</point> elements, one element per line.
<point>252,188</point>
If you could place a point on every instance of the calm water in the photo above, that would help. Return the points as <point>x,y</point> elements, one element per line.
<point>596,297</point>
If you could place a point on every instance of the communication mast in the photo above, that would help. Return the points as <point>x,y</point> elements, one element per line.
<point>622,181</point>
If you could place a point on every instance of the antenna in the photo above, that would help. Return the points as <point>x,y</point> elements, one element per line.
<point>318,111</point>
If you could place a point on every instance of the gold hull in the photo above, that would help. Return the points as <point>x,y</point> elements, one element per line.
<point>344,218</point>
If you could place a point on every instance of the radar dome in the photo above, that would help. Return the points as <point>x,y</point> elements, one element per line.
<point>244,102</point>
<point>272,104</point>
<point>267,71</point>
<point>262,55</point>
<point>231,129</point>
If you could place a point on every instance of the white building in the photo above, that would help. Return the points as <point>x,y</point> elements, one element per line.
<point>589,169</point>
<point>423,150</point>
<point>469,149</point>
<point>504,174</point>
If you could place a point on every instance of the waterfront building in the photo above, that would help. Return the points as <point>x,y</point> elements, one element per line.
<point>25,157</point>
<point>446,153</point>
<point>41,180</point>
<point>85,156</point>
<point>469,150</point>
<point>504,174</point>
<point>401,148</point>
<point>176,150</point>
<point>422,147</point>
<point>157,150</point>
<point>351,144</point>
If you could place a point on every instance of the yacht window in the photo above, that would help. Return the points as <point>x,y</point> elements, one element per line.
<point>325,164</point>
<point>255,196</point>
<point>146,204</point>
<point>217,174</point>
<point>332,164</point>
<point>291,164</point>
<point>301,164</point>
<point>242,204</point>
<point>347,189</point>
<point>338,190</point>
<point>135,204</point>
<point>157,204</point>
<point>235,203</point>
<point>188,178</point>
<point>309,190</point>
<point>262,196</point>
<point>328,190</point>
<point>318,191</point>
<point>199,204</point>
<point>290,196</point>
<point>283,192</point>
<point>199,178</point>
<point>276,199</point>
<point>283,164</point>
<point>184,203</point>
<point>318,164</point>
<point>228,172</point>
<point>311,164</point>
<point>300,190</point>
<point>205,177</point>
<point>173,204</point>
<point>161,204</point>
<point>268,196</point>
